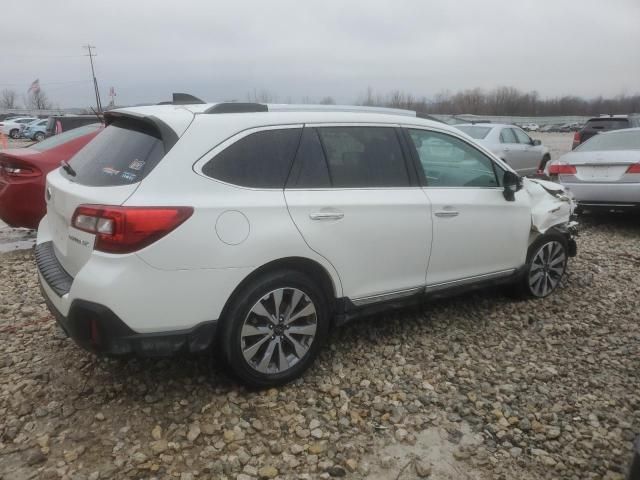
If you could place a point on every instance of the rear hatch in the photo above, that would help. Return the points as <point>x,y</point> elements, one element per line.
<point>598,125</point>
<point>106,171</point>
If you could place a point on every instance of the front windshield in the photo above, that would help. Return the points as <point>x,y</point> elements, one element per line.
<point>475,131</point>
<point>623,140</point>
<point>64,137</point>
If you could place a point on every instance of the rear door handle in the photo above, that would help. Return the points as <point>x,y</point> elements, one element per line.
<point>447,213</point>
<point>326,215</point>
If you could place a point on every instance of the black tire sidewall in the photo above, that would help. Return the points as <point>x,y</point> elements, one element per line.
<point>239,308</point>
<point>533,249</point>
<point>38,137</point>
<point>15,133</point>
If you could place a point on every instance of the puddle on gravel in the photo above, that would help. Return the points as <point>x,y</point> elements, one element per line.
<point>15,238</point>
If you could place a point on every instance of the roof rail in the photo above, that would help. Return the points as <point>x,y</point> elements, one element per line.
<point>237,107</point>
<point>183,99</point>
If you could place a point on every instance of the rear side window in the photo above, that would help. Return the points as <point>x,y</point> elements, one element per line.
<point>124,153</point>
<point>259,160</point>
<point>360,157</point>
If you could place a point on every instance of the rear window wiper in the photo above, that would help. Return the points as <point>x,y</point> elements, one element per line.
<point>68,168</point>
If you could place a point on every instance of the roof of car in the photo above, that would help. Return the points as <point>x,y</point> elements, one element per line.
<point>486,125</point>
<point>179,117</point>
<point>622,130</point>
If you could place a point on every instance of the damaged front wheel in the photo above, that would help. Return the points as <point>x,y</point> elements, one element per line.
<point>546,265</point>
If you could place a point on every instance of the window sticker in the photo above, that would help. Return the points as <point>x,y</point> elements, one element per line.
<point>128,176</point>
<point>110,171</point>
<point>136,164</point>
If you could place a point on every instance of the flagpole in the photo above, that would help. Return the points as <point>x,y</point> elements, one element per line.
<point>93,73</point>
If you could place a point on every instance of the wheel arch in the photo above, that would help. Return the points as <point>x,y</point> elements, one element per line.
<point>301,264</point>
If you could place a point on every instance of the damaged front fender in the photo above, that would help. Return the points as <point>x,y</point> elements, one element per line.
<point>551,204</point>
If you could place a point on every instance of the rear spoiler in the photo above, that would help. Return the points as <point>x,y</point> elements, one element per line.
<point>168,135</point>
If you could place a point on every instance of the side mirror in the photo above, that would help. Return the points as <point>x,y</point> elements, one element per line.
<point>535,143</point>
<point>512,183</point>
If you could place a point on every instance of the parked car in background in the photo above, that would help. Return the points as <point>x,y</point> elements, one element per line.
<point>604,171</point>
<point>35,130</point>
<point>604,123</point>
<point>530,127</point>
<point>525,155</point>
<point>251,229</point>
<point>13,126</point>
<point>61,123</point>
<point>23,172</point>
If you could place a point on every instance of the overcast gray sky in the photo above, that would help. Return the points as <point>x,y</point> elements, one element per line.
<point>223,50</point>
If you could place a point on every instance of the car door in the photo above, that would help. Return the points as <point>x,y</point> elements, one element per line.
<point>356,203</point>
<point>531,154</point>
<point>510,151</point>
<point>477,233</point>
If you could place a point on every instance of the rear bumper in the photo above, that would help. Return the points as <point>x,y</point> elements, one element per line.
<point>605,194</point>
<point>98,329</point>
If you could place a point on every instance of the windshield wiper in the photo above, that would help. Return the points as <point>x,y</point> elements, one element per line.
<point>68,168</point>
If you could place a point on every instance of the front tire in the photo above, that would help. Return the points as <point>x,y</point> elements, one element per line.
<point>274,328</point>
<point>15,133</point>
<point>546,265</point>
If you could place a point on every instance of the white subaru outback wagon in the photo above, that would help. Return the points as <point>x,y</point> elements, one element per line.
<point>252,229</point>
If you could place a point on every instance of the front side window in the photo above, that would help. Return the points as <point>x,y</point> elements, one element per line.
<point>259,160</point>
<point>507,136</point>
<point>362,157</point>
<point>450,162</point>
<point>522,137</point>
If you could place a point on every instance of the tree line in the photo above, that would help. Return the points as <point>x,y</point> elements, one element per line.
<point>503,101</point>
<point>36,100</point>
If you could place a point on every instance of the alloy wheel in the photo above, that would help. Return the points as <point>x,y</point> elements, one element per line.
<point>547,268</point>
<point>279,330</point>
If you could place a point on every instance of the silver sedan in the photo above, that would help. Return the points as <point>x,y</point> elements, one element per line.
<point>602,172</point>
<point>525,155</point>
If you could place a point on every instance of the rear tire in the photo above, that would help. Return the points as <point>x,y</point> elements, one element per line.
<point>38,137</point>
<point>546,265</point>
<point>258,341</point>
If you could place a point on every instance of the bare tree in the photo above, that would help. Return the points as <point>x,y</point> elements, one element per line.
<point>38,100</point>
<point>262,96</point>
<point>327,101</point>
<point>8,98</point>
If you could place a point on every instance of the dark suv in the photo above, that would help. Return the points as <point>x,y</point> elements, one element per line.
<point>62,123</point>
<point>604,123</point>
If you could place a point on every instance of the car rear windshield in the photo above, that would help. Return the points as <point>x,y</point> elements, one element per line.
<point>476,132</point>
<point>124,153</point>
<point>64,137</point>
<point>607,123</point>
<point>623,140</point>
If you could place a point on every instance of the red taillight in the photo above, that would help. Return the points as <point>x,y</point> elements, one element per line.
<point>127,229</point>
<point>576,140</point>
<point>562,169</point>
<point>635,168</point>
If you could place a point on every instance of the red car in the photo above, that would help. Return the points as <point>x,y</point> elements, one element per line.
<point>23,173</point>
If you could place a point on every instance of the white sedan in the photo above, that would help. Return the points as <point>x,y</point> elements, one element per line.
<point>525,155</point>
<point>13,126</point>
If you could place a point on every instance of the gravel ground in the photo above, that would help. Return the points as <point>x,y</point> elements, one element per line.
<point>475,387</point>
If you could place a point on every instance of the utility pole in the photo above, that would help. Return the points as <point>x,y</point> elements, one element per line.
<point>93,73</point>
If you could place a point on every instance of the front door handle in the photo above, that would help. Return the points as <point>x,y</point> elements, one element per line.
<point>447,213</point>
<point>326,215</point>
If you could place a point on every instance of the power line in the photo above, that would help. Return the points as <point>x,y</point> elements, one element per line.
<point>93,74</point>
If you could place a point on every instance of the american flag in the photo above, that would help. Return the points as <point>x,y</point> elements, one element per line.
<point>35,86</point>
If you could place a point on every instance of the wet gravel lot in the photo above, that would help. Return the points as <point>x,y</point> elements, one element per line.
<point>474,387</point>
